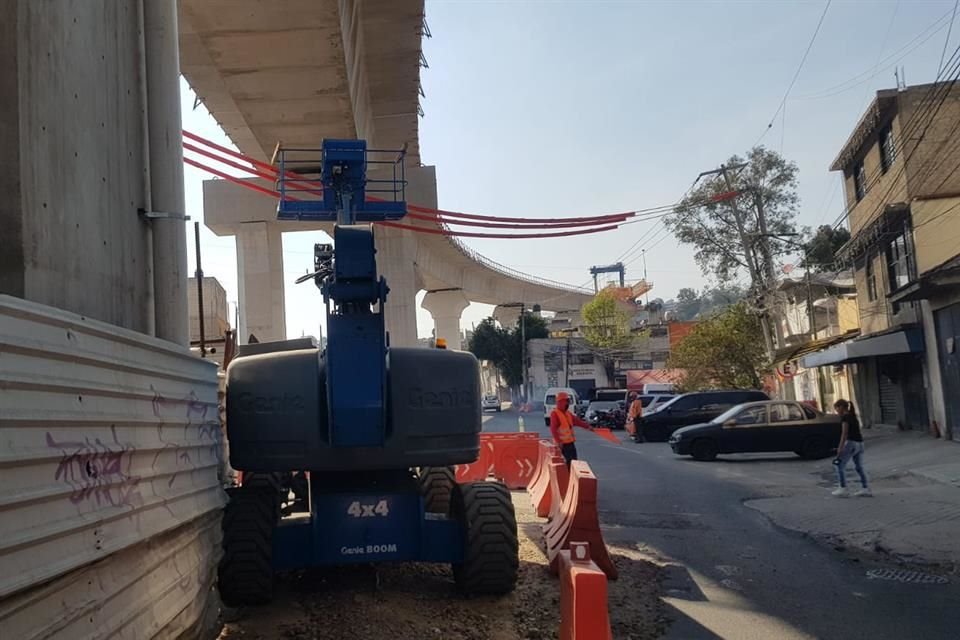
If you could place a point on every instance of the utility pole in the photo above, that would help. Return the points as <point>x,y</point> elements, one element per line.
<point>199,275</point>
<point>767,256</point>
<point>523,349</point>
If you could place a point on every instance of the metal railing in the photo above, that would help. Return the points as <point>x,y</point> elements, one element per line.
<point>512,273</point>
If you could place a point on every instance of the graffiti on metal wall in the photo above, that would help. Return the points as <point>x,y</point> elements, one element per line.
<point>97,470</point>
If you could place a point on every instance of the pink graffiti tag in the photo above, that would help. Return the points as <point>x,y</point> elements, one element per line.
<point>96,470</point>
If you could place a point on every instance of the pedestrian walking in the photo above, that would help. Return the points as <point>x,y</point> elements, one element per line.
<point>634,414</point>
<point>849,448</point>
<point>562,421</point>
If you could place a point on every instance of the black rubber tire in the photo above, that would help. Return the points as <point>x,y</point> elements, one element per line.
<point>491,550</point>
<point>704,450</point>
<point>245,573</point>
<point>815,448</point>
<point>436,487</point>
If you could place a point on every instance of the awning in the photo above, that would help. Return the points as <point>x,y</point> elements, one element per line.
<point>792,353</point>
<point>909,340</point>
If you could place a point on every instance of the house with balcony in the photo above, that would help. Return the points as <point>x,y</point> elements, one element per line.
<point>815,311</point>
<point>901,171</point>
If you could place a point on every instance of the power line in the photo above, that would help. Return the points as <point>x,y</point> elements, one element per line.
<point>796,74</point>
<point>907,130</point>
<point>949,31</point>
<point>865,76</point>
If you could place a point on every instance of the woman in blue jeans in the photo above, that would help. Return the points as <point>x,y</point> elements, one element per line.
<point>851,446</point>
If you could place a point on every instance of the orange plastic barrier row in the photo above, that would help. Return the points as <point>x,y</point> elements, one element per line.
<point>509,457</point>
<point>583,596</point>
<point>559,483</point>
<point>539,487</point>
<point>577,519</point>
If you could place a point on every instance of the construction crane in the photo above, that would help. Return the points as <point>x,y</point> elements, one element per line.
<point>610,268</point>
<point>361,434</point>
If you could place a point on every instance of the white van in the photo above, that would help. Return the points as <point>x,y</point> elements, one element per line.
<point>550,401</point>
<point>658,387</point>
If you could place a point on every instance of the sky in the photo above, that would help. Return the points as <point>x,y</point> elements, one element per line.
<point>575,108</point>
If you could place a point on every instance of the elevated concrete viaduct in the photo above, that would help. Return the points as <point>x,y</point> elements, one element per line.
<point>328,69</point>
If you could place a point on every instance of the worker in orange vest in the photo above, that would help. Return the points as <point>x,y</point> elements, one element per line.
<point>634,413</point>
<point>562,421</point>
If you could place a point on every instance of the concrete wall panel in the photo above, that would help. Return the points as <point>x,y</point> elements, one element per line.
<point>111,471</point>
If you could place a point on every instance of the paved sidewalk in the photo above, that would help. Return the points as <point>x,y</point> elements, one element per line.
<point>913,516</point>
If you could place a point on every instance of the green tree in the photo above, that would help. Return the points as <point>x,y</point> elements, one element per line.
<point>606,324</point>
<point>711,228</point>
<point>503,346</point>
<point>692,305</point>
<point>822,246</point>
<point>724,351</point>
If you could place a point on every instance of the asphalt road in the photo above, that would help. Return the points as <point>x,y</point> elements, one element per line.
<point>729,572</point>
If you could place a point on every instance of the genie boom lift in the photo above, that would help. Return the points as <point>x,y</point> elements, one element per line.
<point>361,434</point>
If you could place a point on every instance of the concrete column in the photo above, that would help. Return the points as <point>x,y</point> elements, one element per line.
<point>396,256</point>
<point>260,282</point>
<point>507,316</point>
<point>446,307</point>
<point>166,169</point>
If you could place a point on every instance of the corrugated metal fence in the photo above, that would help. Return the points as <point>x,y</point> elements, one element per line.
<point>110,491</point>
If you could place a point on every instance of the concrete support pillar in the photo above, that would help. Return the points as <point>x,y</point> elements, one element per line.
<point>396,257</point>
<point>260,282</point>
<point>446,307</point>
<point>507,316</point>
<point>166,169</point>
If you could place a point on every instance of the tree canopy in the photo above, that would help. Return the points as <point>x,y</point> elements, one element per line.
<point>711,227</point>
<point>822,246</point>
<point>503,346</point>
<point>725,351</point>
<point>606,324</point>
<point>692,304</point>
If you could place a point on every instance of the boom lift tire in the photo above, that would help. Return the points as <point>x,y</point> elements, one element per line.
<point>245,573</point>
<point>491,548</point>
<point>436,487</point>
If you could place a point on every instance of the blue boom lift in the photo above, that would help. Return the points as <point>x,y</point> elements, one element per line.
<point>361,434</point>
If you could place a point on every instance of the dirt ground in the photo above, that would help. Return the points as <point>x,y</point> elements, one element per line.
<point>418,601</point>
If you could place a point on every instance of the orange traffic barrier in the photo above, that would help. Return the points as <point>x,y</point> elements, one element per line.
<point>583,596</point>
<point>559,483</point>
<point>539,487</point>
<point>577,519</point>
<point>514,457</point>
<point>510,457</point>
<point>479,470</point>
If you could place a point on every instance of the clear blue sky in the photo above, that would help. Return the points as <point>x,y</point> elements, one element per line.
<point>577,108</point>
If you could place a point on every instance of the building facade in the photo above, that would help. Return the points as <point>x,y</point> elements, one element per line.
<point>901,170</point>
<point>814,312</point>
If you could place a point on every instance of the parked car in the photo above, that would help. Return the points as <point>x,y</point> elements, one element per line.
<point>550,401</point>
<point>491,401</point>
<point>761,427</point>
<point>693,408</point>
<point>605,413</point>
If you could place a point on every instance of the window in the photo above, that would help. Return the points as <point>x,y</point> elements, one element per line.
<point>900,264</point>
<point>810,413</point>
<point>581,358</point>
<point>659,356</point>
<point>785,412</point>
<point>859,181</point>
<point>888,150</point>
<point>752,416</point>
<point>871,280</point>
